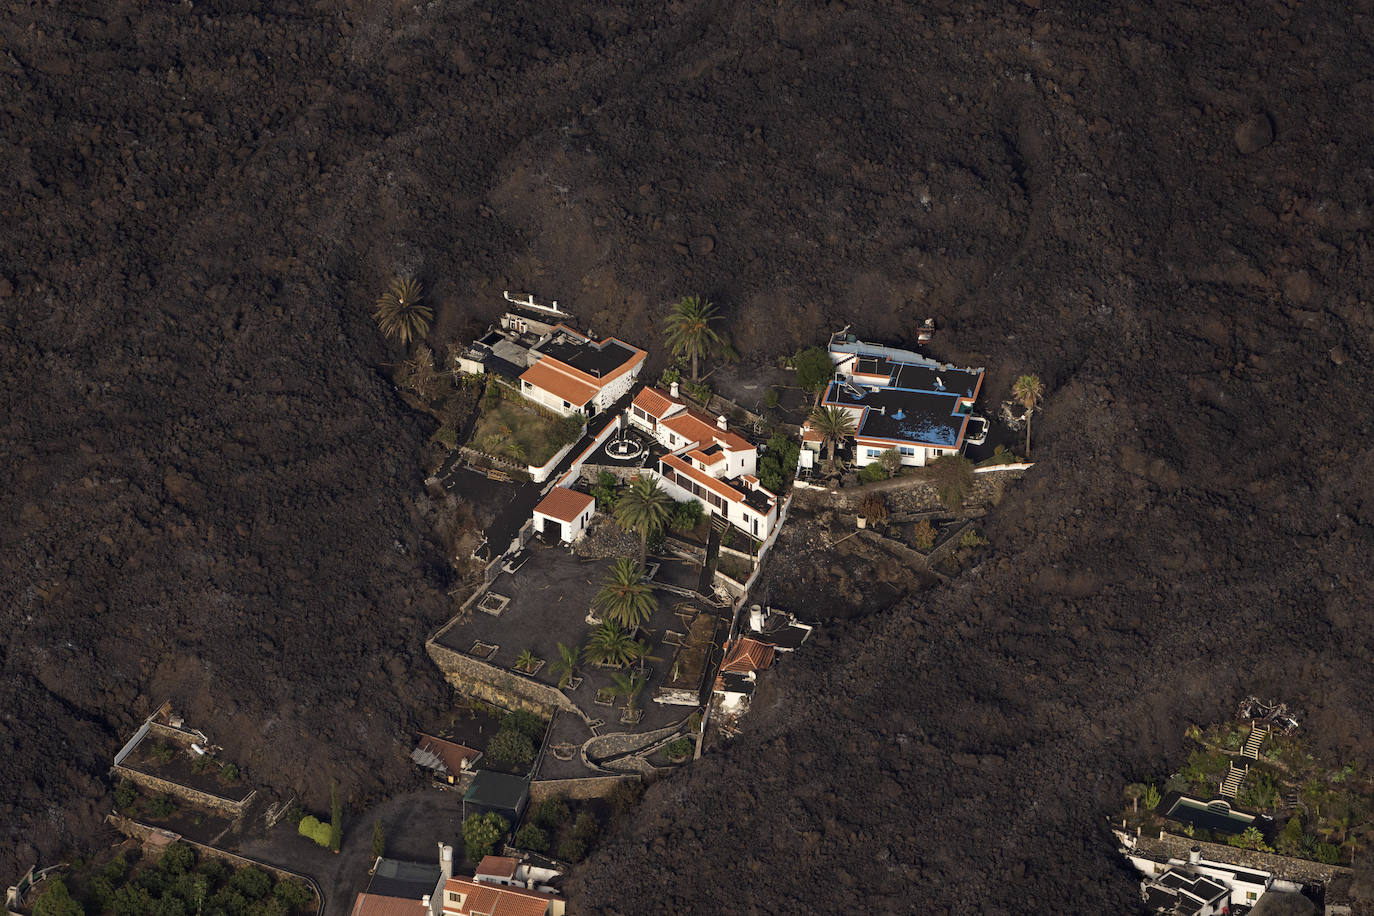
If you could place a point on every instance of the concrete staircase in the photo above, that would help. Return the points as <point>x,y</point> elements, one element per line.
<point>1256,740</point>
<point>1233,781</point>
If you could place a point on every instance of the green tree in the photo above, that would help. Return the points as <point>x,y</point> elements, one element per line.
<point>606,491</point>
<point>891,460</point>
<point>378,840</point>
<point>1250,839</point>
<point>1133,792</point>
<point>689,332</point>
<point>686,515</point>
<point>526,661</point>
<point>609,644</point>
<point>293,894</point>
<point>833,425</point>
<point>481,833</point>
<point>815,369</point>
<point>335,818</point>
<point>1150,798</point>
<point>625,598</point>
<point>1289,842</point>
<point>1028,390</point>
<point>511,747</point>
<point>953,478</point>
<point>564,667</point>
<point>125,795</point>
<point>312,827</point>
<point>400,311</point>
<point>1260,791</point>
<point>177,859</point>
<point>56,900</point>
<point>1313,794</point>
<point>643,509</point>
<point>252,882</point>
<point>532,838</point>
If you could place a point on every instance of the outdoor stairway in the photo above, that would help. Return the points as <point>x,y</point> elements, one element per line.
<point>1232,783</point>
<point>1256,740</point>
<point>708,569</point>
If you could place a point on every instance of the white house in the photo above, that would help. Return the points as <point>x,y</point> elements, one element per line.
<point>1185,894</point>
<point>571,373</point>
<point>899,400</point>
<point>707,461</point>
<point>564,515</point>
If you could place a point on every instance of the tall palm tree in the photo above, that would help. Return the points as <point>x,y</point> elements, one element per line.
<point>565,666</point>
<point>628,686</point>
<point>689,330</point>
<point>625,598</point>
<point>609,644</point>
<point>834,424</point>
<point>643,508</point>
<point>400,312</point>
<point>1028,390</point>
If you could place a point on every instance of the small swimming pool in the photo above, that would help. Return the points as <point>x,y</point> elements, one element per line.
<point>1216,814</point>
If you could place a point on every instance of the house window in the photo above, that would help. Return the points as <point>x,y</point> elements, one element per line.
<point>1251,895</point>
<point>566,404</point>
<point>455,897</point>
<point>874,453</point>
<point>907,450</point>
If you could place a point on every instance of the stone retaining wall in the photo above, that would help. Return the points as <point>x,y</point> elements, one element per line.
<point>144,832</point>
<point>909,494</point>
<point>194,796</point>
<point>577,789</point>
<point>1301,871</point>
<point>497,686</point>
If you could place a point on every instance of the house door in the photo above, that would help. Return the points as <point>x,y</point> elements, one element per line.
<point>553,530</point>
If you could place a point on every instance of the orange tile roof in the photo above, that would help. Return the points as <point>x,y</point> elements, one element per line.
<point>706,480</point>
<point>637,356</point>
<point>559,382</point>
<point>377,905</point>
<point>493,900</point>
<point>697,427</point>
<point>745,655</point>
<point>810,435</point>
<point>654,402</point>
<point>564,504</point>
<point>499,866</point>
<point>697,454</point>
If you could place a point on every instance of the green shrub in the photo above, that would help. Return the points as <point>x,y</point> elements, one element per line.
<point>670,375</point>
<point>972,540</point>
<point>201,763</point>
<point>511,747</point>
<point>679,749</point>
<point>1260,791</point>
<point>177,859</point>
<point>229,773</point>
<point>335,818</point>
<point>1328,853</point>
<point>252,882</point>
<point>312,827</point>
<point>230,902</point>
<point>481,833</point>
<point>293,894</point>
<point>606,492</point>
<point>446,436</point>
<point>125,795</point>
<point>551,813</point>
<point>1250,839</point>
<point>771,398</point>
<point>161,806</point>
<point>56,900</point>
<point>532,838</point>
<point>162,752</point>
<point>685,516</point>
<point>572,849</point>
<point>586,827</point>
<point>872,473</point>
<point>527,723</point>
<point>814,369</point>
<point>1151,798</point>
<point>1289,842</point>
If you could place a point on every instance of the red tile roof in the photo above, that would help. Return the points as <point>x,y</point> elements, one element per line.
<point>701,477</point>
<point>654,402</point>
<point>697,454</point>
<point>377,905</point>
<point>492,900</point>
<point>697,427</point>
<point>745,655</point>
<point>564,504</point>
<point>497,866</point>
<point>559,382</point>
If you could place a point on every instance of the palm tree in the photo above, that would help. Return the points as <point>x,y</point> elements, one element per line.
<point>400,313</point>
<point>834,424</point>
<point>609,644</point>
<point>527,661</point>
<point>689,330</point>
<point>1133,792</point>
<point>628,686</point>
<point>953,477</point>
<point>1028,390</point>
<point>565,666</point>
<point>625,598</point>
<point>644,508</point>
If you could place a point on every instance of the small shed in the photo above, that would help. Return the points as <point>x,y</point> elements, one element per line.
<point>506,795</point>
<point>564,515</point>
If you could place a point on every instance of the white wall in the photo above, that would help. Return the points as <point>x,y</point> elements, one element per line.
<point>917,460</point>
<point>544,399</point>
<point>569,531</point>
<point>616,389</point>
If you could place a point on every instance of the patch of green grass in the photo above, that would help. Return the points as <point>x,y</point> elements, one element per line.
<point>516,430</point>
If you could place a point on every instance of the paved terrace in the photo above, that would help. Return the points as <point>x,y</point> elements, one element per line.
<point>549,600</point>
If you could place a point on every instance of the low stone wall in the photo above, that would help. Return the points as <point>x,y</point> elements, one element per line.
<point>622,473</point>
<point>144,832</point>
<point>577,789</point>
<point>1301,871</point>
<point>497,686</point>
<point>194,796</point>
<point>909,494</point>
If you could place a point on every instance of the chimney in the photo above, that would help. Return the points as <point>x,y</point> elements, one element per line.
<point>756,618</point>
<point>721,422</point>
<point>424,901</point>
<point>445,862</point>
<point>673,390</point>
<point>1195,855</point>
